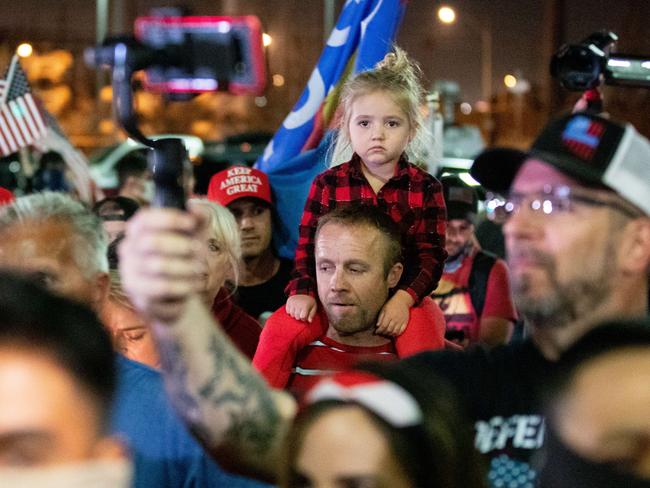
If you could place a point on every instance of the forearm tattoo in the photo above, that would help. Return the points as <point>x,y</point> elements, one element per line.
<point>219,394</point>
<point>171,361</point>
<point>243,397</point>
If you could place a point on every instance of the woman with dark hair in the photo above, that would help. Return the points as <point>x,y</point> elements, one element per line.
<point>375,427</point>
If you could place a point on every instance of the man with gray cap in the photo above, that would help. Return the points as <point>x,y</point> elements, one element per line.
<point>578,237</point>
<point>474,290</point>
<point>577,233</point>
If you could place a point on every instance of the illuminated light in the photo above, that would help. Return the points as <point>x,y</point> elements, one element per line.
<point>547,207</point>
<point>510,81</point>
<point>245,147</point>
<point>278,80</point>
<point>199,84</point>
<point>536,205</point>
<point>619,63</point>
<point>266,39</point>
<point>223,27</point>
<point>465,108</point>
<point>645,65</point>
<point>261,101</point>
<point>106,94</point>
<point>106,126</point>
<point>447,15</point>
<point>24,50</point>
<point>468,180</point>
<point>596,50</point>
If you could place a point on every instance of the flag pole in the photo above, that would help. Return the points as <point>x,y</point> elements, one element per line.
<point>10,78</point>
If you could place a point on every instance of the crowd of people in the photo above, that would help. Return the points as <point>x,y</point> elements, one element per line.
<point>144,346</point>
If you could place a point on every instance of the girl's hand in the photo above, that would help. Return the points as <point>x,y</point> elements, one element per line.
<point>301,307</point>
<point>394,315</point>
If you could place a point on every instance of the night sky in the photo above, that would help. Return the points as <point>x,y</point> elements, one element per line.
<point>520,31</point>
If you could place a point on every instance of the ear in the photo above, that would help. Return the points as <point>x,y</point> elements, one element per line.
<point>394,275</point>
<point>634,249</point>
<point>102,284</point>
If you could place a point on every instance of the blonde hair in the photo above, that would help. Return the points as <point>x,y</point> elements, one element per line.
<point>223,228</point>
<point>116,293</point>
<point>399,77</point>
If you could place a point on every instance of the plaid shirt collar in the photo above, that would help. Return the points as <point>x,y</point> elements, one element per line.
<point>401,169</point>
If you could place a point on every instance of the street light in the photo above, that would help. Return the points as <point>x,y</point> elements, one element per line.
<point>510,81</point>
<point>447,15</point>
<point>24,50</point>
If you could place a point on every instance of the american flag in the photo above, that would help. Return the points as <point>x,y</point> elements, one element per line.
<point>21,121</point>
<point>582,137</point>
<point>55,139</point>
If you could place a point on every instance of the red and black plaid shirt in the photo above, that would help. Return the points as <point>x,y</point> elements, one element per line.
<point>412,198</point>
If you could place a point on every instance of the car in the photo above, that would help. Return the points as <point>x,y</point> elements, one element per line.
<point>208,157</point>
<point>240,149</point>
<point>102,164</point>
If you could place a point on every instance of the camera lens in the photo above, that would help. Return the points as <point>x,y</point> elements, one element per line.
<point>577,67</point>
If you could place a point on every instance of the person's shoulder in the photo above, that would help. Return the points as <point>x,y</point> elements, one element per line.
<point>475,359</point>
<point>282,329</point>
<point>140,392</point>
<point>131,372</point>
<point>280,319</point>
<point>485,259</point>
<point>499,264</point>
<point>416,170</point>
<point>416,173</point>
<point>490,264</point>
<point>335,171</point>
<point>141,405</point>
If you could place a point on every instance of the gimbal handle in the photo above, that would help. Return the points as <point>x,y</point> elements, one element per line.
<point>168,155</point>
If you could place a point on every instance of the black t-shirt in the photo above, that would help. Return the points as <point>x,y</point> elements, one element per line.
<point>500,389</point>
<point>267,296</point>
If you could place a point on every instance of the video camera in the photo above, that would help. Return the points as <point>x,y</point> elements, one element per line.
<point>190,54</point>
<point>182,57</point>
<point>584,66</point>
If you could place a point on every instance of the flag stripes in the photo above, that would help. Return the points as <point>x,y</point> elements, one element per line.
<point>21,121</point>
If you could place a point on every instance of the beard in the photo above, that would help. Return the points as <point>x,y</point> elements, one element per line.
<point>351,322</point>
<point>562,303</point>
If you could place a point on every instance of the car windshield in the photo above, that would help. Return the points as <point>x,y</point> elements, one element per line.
<point>100,154</point>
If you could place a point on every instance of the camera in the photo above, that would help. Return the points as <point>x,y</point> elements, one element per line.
<point>181,56</point>
<point>205,54</point>
<point>190,55</point>
<point>586,65</point>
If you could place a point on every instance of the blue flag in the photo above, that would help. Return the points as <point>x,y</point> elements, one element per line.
<point>365,29</point>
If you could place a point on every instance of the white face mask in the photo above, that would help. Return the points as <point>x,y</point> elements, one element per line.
<point>98,474</point>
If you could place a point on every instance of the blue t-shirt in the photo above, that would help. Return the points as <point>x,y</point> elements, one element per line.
<point>164,452</point>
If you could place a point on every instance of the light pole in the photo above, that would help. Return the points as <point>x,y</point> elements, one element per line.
<point>447,15</point>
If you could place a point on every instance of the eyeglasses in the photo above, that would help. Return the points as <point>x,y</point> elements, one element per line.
<point>552,200</point>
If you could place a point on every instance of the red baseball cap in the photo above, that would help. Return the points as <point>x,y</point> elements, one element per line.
<point>6,196</point>
<point>239,182</point>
